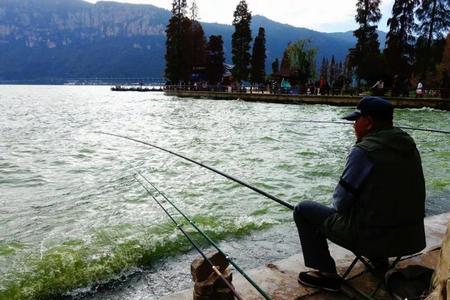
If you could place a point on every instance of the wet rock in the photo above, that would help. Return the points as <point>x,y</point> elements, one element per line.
<point>213,283</point>
<point>208,284</point>
<point>201,269</point>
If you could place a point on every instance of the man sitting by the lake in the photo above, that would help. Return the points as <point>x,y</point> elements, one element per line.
<point>378,204</point>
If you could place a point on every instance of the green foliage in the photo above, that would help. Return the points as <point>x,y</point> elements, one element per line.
<point>258,63</point>
<point>445,63</point>
<point>301,60</point>
<point>333,71</point>
<point>197,45</point>
<point>434,18</point>
<point>179,8</point>
<point>444,70</point>
<point>178,65</point>
<point>275,66</point>
<point>427,59</point>
<point>324,68</point>
<point>365,57</point>
<point>240,42</point>
<point>185,44</point>
<point>399,52</point>
<point>216,58</point>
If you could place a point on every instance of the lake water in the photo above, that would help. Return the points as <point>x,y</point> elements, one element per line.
<point>74,223</point>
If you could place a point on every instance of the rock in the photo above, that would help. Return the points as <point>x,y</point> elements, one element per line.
<point>212,283</point>
<point>223,294</point>
<point>201,269</point>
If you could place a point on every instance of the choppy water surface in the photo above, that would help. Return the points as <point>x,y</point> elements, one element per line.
<point>73,218</point>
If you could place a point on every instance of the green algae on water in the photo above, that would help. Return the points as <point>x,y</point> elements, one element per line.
<point>111,251</point>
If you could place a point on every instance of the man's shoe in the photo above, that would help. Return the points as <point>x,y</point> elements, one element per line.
<point>319,281</point>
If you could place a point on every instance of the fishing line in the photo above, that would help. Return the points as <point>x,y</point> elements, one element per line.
<point>180,227</point>
<point>290,206</point>
<point>262,292</point>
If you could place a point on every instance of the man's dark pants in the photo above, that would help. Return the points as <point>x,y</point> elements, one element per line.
<point>309,217</point>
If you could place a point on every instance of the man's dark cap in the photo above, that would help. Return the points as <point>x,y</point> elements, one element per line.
<point>376,107</point>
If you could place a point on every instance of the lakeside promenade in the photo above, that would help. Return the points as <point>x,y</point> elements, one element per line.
<point>336,100</point>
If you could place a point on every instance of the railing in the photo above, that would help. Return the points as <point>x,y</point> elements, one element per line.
<point>308,91</point>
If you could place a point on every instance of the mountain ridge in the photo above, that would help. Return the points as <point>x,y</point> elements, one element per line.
<point>43,39</point>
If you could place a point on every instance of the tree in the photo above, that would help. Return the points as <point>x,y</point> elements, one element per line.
<point>216,58</point>
<point>301,60</point>
<point>275,66</point>
<point>444,70</point>
<point>399,50</point>
<point>258,62</point>
<point>324,69</point>
<point>340,81</point>
<point>434,18</point>
<point>333,71</point>
<point>178,64</point>
<point>240,42</point>
<point>197,49</point>
<point>340,70</point>
<point>348,70</point>
<point>365,57</point>
<point>285,65</point>
<point>194,11</point>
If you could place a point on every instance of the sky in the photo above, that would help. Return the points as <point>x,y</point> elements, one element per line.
<point>320,15</point>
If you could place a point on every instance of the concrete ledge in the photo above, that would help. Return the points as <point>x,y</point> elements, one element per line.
<point>279,279</point>
<point>436,103</point>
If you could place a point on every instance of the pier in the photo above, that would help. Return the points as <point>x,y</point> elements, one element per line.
<point>121,88</point>
<point>336,100</point>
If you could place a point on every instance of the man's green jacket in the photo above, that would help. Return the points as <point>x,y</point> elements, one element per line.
<point>386,217</point>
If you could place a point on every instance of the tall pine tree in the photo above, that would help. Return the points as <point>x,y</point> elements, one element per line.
<point>399,50</point>
<point>194,11</point>
<point>258,63</point>
<point>434,18</point>
<point>216,58</point>
<point>178,65</point>
<point>275,66</point>
<point>333,73</point>
<point>197,48</point>
<point>444,70</point>
<point>324,69</point>
<point>365,57</point>
<point>240,42</point>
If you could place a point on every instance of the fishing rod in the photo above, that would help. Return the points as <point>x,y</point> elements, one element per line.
<point>262,292</point>
<point>288,205</point>
<point>180,227</point>
<point>351,123</point>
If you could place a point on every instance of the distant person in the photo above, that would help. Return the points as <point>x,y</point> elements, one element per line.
<point>322,86</point>
<point>378,204</point>
<point>285,86</point>
<point>378,88</point>
<point>419,89</point>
